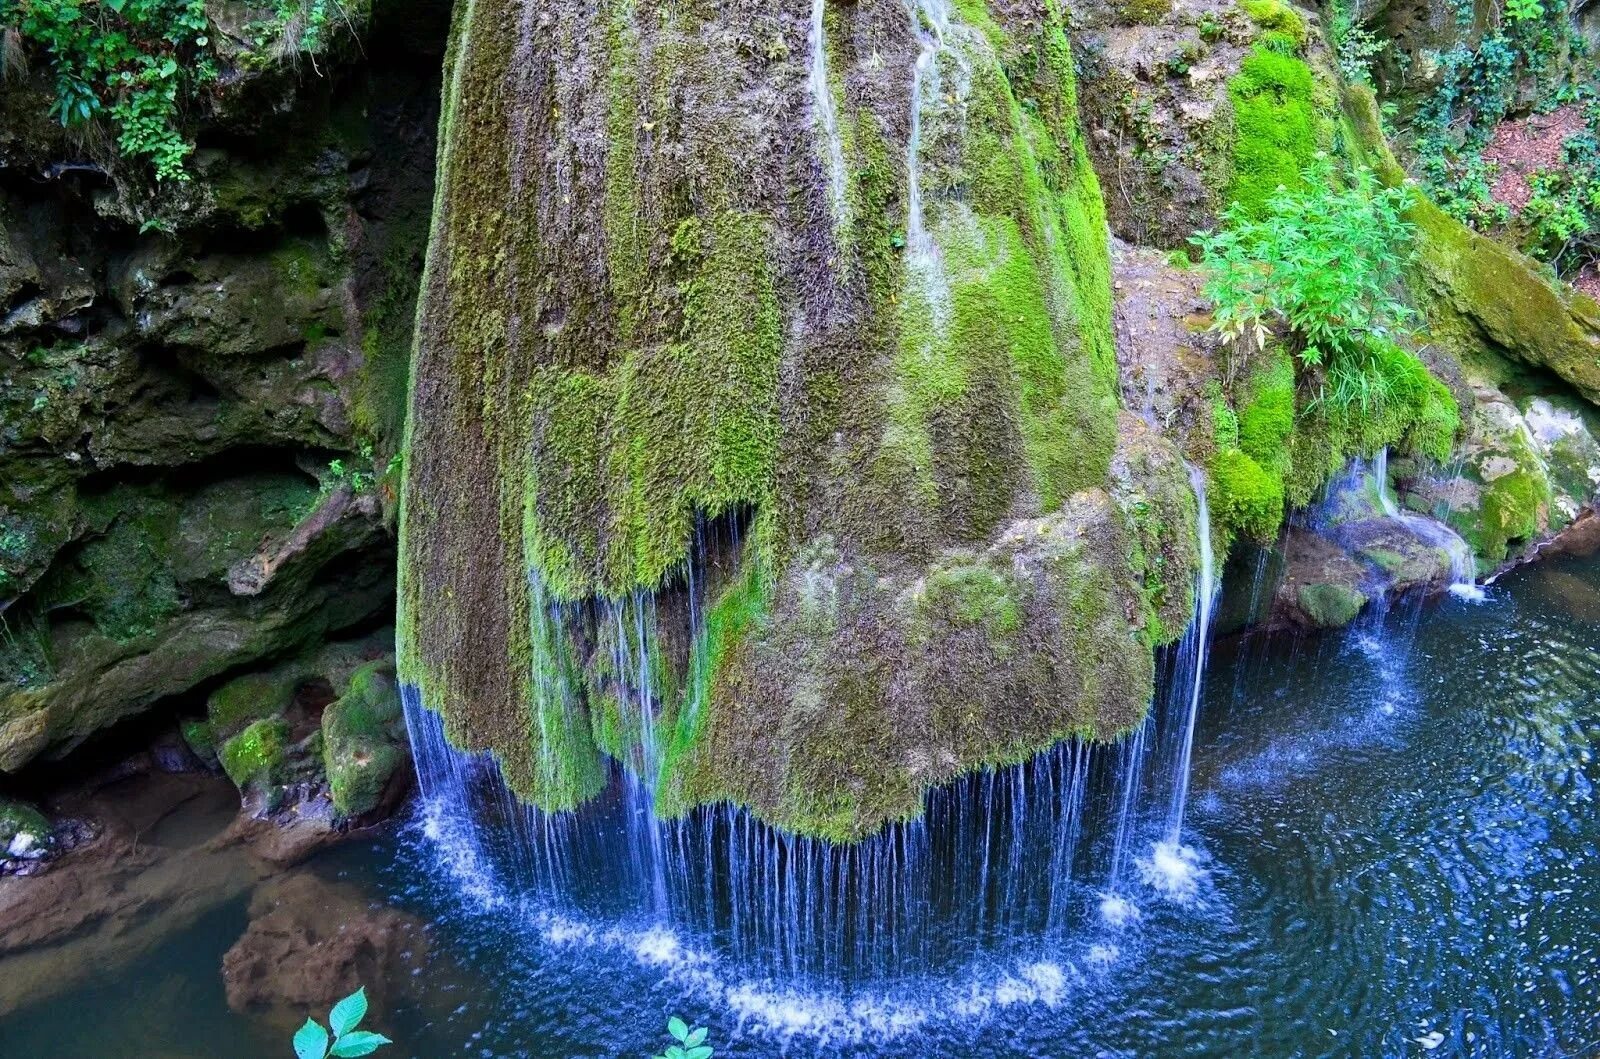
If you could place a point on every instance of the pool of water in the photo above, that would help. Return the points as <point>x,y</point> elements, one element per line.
<point>1391,851</point>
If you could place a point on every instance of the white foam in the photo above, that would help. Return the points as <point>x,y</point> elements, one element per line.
<point>1118,910</point>
<point>1468,591</point>
<point>1174,870</point>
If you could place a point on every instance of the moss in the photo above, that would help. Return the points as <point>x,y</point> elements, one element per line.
<point>1276,127</point>
<point>1267,412</point>
<point>1245,498</point>
<point>1146,12</point>
<point>201,738</point>
<point>1276,16</point>
<point>1330,606</point>
<point>361,732</point>
<point>20,818</point>
<point>257,756</point>
<point>252,697</point>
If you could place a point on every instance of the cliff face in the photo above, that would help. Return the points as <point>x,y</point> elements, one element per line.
<point>766,360</point>
<point>201,384</point>
<point>686,271</point>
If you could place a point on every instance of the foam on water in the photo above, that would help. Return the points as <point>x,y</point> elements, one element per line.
<point>1118,910</point>
<point>1174,870</point>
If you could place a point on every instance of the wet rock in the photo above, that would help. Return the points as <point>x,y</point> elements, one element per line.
<point>151,858</point>
<point>1321,586</point>
<point>311,942</point>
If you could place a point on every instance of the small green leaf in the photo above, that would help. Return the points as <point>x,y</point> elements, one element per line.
<point>695,1037</point>
<point>348,1013</point>
<point>678,1028</point>
<point>702,1052</point>
<point>359,1042</point>
<point>311,1041</point>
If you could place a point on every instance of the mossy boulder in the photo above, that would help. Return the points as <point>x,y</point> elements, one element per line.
<point>1321,586</point>
<point>257,757</point>
<point>363,739</point>
<point>24,829</point>
<point>249,698</point>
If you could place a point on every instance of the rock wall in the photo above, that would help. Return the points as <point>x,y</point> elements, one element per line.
<point>202,382</point>
<point>649,316</point>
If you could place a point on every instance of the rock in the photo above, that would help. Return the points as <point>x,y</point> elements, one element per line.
<point>144,844</point>
<point>311,943</point>
<point>1321,584</point>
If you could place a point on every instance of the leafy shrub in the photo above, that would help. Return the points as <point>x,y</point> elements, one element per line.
<point>1325,263</point>
<point>133,62</point>
<point>340,1037</point>
<point>691,1042</point>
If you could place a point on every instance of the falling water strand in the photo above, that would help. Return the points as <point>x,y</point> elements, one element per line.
<point>931,22</point>
<point>1463,567</point>
<point>1200,632</point>
<point>826,114</point>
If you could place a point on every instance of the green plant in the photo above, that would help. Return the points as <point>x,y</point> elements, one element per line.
<point>1355,46</point>
<point>691,1042</point>
<point>132,62</point>
<point>1324,263</point>
<point>340,1037</point>
<point>1524,10</point>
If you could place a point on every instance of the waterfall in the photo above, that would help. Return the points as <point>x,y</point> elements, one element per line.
<point>990,865</point>
<point>1197,643</point>
<point>826,114</point>
<point>1463,567</point>
<point>931,23</point>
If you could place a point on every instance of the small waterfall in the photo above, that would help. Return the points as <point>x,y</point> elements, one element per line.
<point>1463,567</point>
<point>825,113</point>
<point>931,23</point>
<point>1197,644</point>
<point>1171,867</point>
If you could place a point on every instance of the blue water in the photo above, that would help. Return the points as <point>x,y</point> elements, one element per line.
<point>1394,853</point>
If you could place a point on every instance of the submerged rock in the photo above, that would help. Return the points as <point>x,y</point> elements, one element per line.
<point>311,943</point>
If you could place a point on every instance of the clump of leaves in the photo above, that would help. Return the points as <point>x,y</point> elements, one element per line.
<point>691,1042</point>
<point>132,62</point>
<point>1324,264</point>
<point>340,1037</point>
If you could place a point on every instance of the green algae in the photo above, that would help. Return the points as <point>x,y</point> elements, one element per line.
<point>1277,133</point>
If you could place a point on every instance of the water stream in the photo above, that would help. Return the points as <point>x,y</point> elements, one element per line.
<point>825,113</point>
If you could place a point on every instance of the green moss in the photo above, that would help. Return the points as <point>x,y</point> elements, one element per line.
<point>1278,17</point>
<point>248,698</point>
<point>201,739</point>
<point>1330,606</point>
<point>975,596</point>
<point>1146,12</point>
<point>1267,412</point>
<point>624,461</point>
<point>361,733</point>
<point>18,817</point>
<point>1245,498</point>
<point>1276,126</point>
<point>257,756</point>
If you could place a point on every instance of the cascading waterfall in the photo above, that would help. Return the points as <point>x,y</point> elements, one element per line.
<point>931,22</point>
<point>1197,642</point>
<point>1463,567</point>
<point>825,113</point>
<point>1170,866</point>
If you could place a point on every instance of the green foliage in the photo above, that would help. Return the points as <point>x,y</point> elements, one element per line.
<point>1277,17</point>
<point>133,62</point>
<point>691,1042</point>
<point>1561,220</point>
<point>1275,118</point>
<point>1524,10</point>
<point>1355,46</point>
<point>345,1041</point>
<point>1325,263</point>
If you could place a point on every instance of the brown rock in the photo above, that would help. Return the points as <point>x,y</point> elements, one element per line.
<point>311,942</point>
